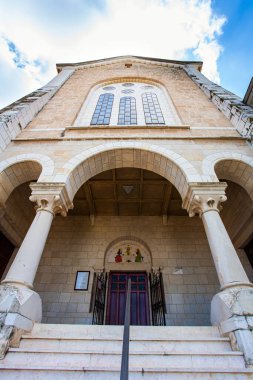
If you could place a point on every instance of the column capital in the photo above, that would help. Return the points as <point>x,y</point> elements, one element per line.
<point>203,197</point>
<point>51,197</point>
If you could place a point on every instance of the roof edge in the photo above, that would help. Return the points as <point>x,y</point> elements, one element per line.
<point>60,66</point>
<point>248,97</point>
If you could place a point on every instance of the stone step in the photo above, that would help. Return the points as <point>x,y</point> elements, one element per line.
<point>116,332</point>
<point>149,347</point>
<point>94,352</point>
<point>137,374</point>
<point>66,361</point>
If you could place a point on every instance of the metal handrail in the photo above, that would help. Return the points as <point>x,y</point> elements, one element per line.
<point>125,346</point>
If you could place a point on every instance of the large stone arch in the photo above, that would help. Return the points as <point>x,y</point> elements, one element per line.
<point>235,167</point>
<point>141,155</point>
<point>119,79</point>
<point>17,170</point>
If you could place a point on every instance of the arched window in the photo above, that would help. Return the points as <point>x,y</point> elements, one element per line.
<point>151,108</point>
<point>127,103</point>
<point>103,110</point>
<point>127,111</point>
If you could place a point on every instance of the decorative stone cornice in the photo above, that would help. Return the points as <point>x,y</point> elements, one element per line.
<point>129,59</point>
<point>239,113</point>
<point>51,197</point>
<point>203,197</point>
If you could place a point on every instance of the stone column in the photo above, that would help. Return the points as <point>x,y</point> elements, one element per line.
<point>20,306</point>
<point>232,307</point>
<point>205,201</point>
<point>24,267</point>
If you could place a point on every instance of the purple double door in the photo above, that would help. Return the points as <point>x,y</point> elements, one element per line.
<point>116,299</point>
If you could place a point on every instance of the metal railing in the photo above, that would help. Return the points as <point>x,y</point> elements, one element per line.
<point>99,301</point>
<point>158,307</point>
<point>125,347</point>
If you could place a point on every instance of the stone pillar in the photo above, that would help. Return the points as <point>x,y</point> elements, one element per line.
<point>228,266</point>
<point>24,267</point>
<point>232,307</point>
<point>20,306</point>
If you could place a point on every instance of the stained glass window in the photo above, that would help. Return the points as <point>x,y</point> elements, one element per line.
<point>151,108</point>
<point>127,111</point>
<point>103,110</point>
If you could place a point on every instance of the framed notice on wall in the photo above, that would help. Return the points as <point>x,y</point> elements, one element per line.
<point>82,280</point>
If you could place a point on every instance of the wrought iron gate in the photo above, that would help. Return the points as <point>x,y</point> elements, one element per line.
<point>157,299</point>
<point>99,303</point>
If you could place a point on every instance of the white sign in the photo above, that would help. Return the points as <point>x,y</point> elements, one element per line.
<point>82,280</point>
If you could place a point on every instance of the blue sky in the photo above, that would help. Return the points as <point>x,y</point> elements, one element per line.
<point>36,34</point>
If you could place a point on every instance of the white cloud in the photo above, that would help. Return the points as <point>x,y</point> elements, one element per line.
<point>209,52</point>
<point>166,29</point>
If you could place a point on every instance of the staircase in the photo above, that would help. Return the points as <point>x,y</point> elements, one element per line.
<point>94,352</point>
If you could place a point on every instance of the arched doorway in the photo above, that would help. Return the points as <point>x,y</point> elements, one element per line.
<point>128,258</point>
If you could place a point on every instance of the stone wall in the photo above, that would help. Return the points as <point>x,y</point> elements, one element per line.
<point>180,248</point>
<point>191,104</point>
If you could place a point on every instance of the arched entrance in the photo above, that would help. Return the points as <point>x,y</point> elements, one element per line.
<point>128,258</point>
<point>132,154</point>
<point>129,202</point>
<point>132,197</point>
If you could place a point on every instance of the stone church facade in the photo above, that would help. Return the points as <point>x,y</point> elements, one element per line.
<point>139,168</point>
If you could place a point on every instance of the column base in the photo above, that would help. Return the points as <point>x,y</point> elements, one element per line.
<point>232,311</point>
<point>20,307</point>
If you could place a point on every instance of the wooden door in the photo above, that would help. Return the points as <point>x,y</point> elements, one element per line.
<point>117,289</point>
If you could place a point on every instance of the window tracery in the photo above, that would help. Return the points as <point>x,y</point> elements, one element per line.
<point>128,103</point>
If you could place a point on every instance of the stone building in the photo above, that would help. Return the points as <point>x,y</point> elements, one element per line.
<point>140,169</point>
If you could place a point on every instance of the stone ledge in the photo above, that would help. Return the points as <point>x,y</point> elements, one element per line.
<point>122,127</point>
<point>140,137</point>
<point>240,114</point>
<point>15,117</point>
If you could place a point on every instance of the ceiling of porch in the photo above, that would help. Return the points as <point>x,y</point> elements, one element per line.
<point>127,191</point>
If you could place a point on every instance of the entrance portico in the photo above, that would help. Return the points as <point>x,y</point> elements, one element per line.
<point>200,198</point>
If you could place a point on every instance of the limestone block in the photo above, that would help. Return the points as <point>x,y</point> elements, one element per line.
<point>245,342</point>
<point>229,310</point>
<point>250,322</point>
<point>17,320</point>
<point>230,302</point>
<point>20,300</point>
<point>233,324</point>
